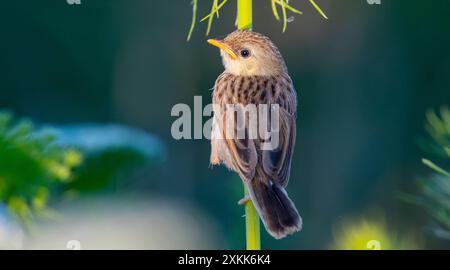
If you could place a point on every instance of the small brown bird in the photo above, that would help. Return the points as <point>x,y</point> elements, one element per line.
<point>255,73</point>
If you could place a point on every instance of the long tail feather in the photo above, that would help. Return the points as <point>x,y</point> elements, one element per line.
<point>277,211</point>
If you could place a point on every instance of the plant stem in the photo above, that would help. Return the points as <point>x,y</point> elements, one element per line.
<point>244,14</point>
<point>244,21</point>
<point>252,225</point>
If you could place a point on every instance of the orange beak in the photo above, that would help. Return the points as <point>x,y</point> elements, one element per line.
<point>223,46</point>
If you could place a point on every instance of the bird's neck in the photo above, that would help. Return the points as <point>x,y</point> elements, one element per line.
<point>240,69</point>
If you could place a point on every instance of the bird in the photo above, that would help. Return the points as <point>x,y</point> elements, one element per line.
<point>256,73</point>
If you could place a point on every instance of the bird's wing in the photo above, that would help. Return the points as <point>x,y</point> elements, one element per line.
<point>276,163</point>
<point>242,150</point>
<point>242,156</point>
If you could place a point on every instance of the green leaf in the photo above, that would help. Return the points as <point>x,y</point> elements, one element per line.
<point>435,167</point>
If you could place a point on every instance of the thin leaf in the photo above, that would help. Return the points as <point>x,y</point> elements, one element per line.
<point>284,3</point>
<point>194,18</point>
<point>211,17</point>
<point>283,9</point>
<point>435,167</point>
<point>274,10</point>
<point>215,11</point>
<point>318,9</point>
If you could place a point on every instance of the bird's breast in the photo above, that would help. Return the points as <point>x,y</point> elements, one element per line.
<point>235,89</point>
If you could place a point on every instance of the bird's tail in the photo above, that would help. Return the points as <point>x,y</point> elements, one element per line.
<point>277,211</point>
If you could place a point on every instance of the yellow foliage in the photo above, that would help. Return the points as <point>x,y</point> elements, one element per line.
<point>364,234</point>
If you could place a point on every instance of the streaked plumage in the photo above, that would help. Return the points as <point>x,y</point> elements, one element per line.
<point>258,76</point>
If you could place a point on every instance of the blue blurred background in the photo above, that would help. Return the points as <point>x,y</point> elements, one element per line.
<point>110,71</point>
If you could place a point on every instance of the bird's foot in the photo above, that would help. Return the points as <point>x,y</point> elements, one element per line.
<point>244,200</point>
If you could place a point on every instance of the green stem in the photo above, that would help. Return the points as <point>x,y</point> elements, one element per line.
<point>244,14</point>
<point>244,21</point>
<point>252,225</point>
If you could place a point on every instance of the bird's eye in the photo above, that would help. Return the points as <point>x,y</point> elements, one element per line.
<point>245,53</point>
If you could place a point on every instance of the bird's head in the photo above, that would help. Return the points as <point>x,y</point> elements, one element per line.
<point>247,53</point>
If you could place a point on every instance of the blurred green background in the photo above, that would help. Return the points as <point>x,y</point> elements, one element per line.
<point>104,76</point>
